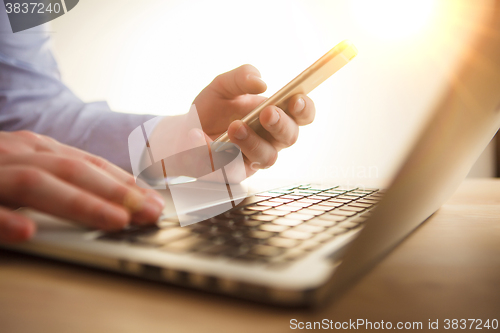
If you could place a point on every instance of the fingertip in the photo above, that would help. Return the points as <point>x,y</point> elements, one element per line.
<point>16,228</point>
<point>256,84</point>
<point>270,116</point>
<point>149,214</point>
<point>302,109</point>
<point>113,217</point>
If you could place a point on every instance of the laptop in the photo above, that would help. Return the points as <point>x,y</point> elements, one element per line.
<point>302,244</point>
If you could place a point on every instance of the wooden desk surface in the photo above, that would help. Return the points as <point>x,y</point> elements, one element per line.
<point>448,268</point>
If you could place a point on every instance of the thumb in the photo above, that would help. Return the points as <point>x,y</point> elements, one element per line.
<point>243,80</point>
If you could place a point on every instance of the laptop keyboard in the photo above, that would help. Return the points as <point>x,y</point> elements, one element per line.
<point>278,226</point>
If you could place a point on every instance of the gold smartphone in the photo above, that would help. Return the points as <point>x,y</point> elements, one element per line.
<point>304,83</point>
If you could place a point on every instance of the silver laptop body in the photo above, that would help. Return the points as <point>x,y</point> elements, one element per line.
<point>338,250</point>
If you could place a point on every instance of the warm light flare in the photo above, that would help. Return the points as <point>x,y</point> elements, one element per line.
<point>393,19</point>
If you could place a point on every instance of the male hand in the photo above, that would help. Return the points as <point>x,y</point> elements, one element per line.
<point>39,172</point>
<point>231,96</point>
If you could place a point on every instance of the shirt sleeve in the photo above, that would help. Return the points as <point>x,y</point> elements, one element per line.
<point>33,97</point>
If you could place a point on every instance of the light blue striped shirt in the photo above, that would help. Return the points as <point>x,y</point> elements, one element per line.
<point>33,97</point>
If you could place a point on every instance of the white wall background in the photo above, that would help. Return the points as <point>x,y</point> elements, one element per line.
<point>154,56</point>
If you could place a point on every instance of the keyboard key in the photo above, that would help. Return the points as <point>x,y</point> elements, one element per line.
<point>337,211</point>
<point>300,204</point>
<point>358,219</point>
<point>341,201</point>
<point>326,195</point>
<point>252,223</point>
<point>321,223</point>
<point>199,228</point>
<point>307,192</point>
<point>258,208</point>
<point>372,198</point>
<point>354,194</point>
<point>323,237</point>
<point>294,254</point>
<point>263,218</point>
<point>307,200</point>
<point>345,197</point>
<point>321,207</point>
<point>186,244</point>
<point>275,212</point>
<point>313,229</point>
<point>292,234</point>
<point>289,208</point>
<point>331,204</point>
<point>287,222</point>
<point>164,236</point>
<point>231,216</point>
<point>308,211</point>
<point>253,199</point>
<point>215,249</point>
<point>362,191</point>
<point>282,242</point>
<point>352,209</point>
<point>281,200</point>
<point>348,225</point>
<point>345,188</point>
<point>273,227</point>
<point>309,245</point>
<point>336,192</point>
<point>292,196</point>
<point>129,234</point>
<point>269,204</point>
<point>260,234</point>
<point>166,224</point>
<point>357,204</point>
<point>359,193</point>
<point>336,230</point>
<point>266,250</point>
<point>297,216</point>
<point>317,197</point>
<point>333,218</point>
<point>367,201</point>
<point>280,192</point>
<point>244,212</point>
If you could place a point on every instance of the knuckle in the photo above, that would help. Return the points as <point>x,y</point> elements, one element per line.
<point>130,181</point>
<point>97,161</point>
<point>217,81</point>
<point>26,179</point>
<point>254,146</point>
<point>247,69</point>
<point>70,168</point>
<point>32,136</point>
<point>78,205</point>
<point>26,134</point>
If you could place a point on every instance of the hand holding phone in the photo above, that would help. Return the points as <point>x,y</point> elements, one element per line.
<point>304,83</point>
